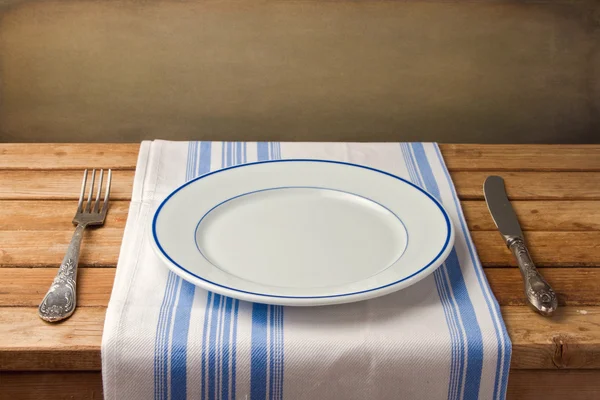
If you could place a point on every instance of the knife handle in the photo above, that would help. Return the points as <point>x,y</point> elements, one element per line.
<point>539,293</point>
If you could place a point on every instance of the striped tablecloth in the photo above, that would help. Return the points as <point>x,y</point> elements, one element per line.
<point>166,339</point>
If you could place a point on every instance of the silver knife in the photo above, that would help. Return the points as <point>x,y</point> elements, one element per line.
<point>539,293</point>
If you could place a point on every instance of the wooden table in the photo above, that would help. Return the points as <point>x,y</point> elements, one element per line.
<point>555,190</point>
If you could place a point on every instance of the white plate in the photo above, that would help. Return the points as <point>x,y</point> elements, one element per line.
<point>301,232</point>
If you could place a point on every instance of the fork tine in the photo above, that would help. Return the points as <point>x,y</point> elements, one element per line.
<point>107,194</point>
<point>79,209</point>
<point>97,202</point>
<point>88,206</point>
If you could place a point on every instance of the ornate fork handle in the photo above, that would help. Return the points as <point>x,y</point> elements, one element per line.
<point>59,303</point>
<point>538,291</point>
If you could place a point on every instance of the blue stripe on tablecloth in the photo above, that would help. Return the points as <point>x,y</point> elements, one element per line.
<point>166,309</point>
<point>504,344</point>
<point>161,359</point>
<point>280,348</point>
<point>262,151</point>
<point>212,338</point>
<point>226,349</point>
<point>212,380</point>
<point>275,371</point>
<point>201,165</point>
<point>267,350</point>
<point>448,303</point>
<point>219,351</point>
<point>271,354</point>
<point>447,296</point>
<point>236,306</point>
<point>179,341</point>
<point>276,355</point>
<point>203,385</point>
<point>452,326</point>
<point>258,352</point>
<point>474,361</point>
<point>160,331</point>
<point>458,364</point>
<point>258,346</point>
<point>173,364</point>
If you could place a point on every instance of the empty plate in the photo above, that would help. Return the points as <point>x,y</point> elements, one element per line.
<point>301,232</point>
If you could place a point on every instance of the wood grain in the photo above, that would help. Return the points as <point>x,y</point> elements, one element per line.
<point>53,215</point>
<point>558,204</point>
<point>40,156</point>
<point>574,286</point>
<point>51,385</point>
<point>558,249</point>
<point>25,287</point>
<point>502,157</point>
<point>546,215</point>
<point>532,185</point>
<point>47,248</point>
<point>65,184</point>
<point>458,157</point>
<point>101,248</point>
<point>522,385</point>
<point>30,344</point>
<point>553,385</point>
<point>569,340</point>
<point>57,185</point>
<point>535,215</point>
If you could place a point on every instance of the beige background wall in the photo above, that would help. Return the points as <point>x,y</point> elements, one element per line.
<point>483,71</point>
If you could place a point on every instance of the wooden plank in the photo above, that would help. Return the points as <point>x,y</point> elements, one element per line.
<point>558,249</point>
<point>506,157</point>
<point>47,248</point>
<point>48,156</point>
<point>31,344</point>
<point>80,385</point>
<point>57,185</point>
<point>101,248</point>
<point>569,340</point>
<point>553,385</point>
<point>545,215</point>
<point>532,185</point>
<point>458,157</point>
<point>52,215</point>
<point>539,215</point>
<point>522,385</point>
<point>65,184</point>
<point>25,287</point>
<point>574,286</point>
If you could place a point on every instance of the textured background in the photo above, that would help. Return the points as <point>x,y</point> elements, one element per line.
<point>477,71</point>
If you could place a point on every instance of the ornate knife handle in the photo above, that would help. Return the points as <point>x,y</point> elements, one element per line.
<point>539,293</point>
<point>59,303</point>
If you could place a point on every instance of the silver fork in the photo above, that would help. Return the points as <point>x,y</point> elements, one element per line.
<point>61,299</point>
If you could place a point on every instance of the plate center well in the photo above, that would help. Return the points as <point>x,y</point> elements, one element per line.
<point>301,237</point>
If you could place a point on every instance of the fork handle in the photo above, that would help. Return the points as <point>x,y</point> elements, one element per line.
<point>60,301</point>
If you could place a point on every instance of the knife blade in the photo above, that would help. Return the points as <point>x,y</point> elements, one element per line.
<point>538,292</point>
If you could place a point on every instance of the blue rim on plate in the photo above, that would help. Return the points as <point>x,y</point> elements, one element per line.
<point>449,228</point>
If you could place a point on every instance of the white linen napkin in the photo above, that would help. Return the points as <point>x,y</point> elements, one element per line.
<point>442,338</point>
